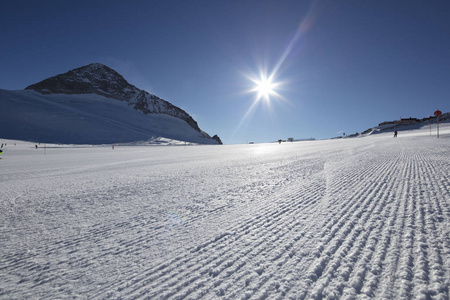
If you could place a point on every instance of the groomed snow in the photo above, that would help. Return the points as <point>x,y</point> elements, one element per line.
<point>351,219</point>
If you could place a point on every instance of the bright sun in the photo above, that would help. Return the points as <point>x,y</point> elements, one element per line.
<point>264,87</point>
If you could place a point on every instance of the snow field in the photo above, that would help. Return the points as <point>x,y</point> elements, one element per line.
<point>86,119</point>
<point>341,219</point>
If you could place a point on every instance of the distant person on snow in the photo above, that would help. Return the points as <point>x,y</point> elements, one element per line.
<point>36,146</point>
<point>395,133</point>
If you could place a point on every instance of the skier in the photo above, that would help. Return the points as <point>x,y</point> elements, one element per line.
<point>1,151</point>
<point>395,133</point>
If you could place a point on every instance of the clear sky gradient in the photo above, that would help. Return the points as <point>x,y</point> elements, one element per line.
<point>341,66</point>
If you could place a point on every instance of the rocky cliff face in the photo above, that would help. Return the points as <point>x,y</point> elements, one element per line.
<point>102,80</point>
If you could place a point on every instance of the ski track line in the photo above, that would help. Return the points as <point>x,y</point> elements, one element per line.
<point>433,239</point>
<point>103,231</point>
<point>176,281</point>
<point>262,220</point>
<point>401,262</point>
<point>345,239</point>
<point>97,234</point>
<point>405,265</point>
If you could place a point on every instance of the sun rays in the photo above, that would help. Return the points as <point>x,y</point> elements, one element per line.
<point>267,86</point>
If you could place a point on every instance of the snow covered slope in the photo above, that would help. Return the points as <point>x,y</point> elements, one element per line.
<point>430,122</point>
<point>336,219</point>
<point>85,119</point>
<point>93,105</point>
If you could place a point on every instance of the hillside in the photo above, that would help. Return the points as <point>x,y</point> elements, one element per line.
<point>93,105</point>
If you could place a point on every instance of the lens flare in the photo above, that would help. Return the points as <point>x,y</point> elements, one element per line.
<point>266,86</point>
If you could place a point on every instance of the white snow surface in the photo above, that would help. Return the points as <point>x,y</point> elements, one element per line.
<point>86,119</point>
<point>336,219</point>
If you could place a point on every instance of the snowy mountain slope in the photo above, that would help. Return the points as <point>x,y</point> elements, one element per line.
<point>334,219</point>
<point>81,106</point>
<point>85,119</point>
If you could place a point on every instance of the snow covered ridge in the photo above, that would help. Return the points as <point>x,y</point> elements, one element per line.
<point>101,80</point>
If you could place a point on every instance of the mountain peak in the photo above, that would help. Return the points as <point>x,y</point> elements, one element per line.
<point>99,79</point>
<point>96,66</point>
<point>94,78</point>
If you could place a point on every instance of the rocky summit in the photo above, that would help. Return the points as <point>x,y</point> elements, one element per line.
<point>91,79</point>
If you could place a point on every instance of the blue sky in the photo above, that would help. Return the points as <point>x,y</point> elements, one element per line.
<point>342,66</point>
